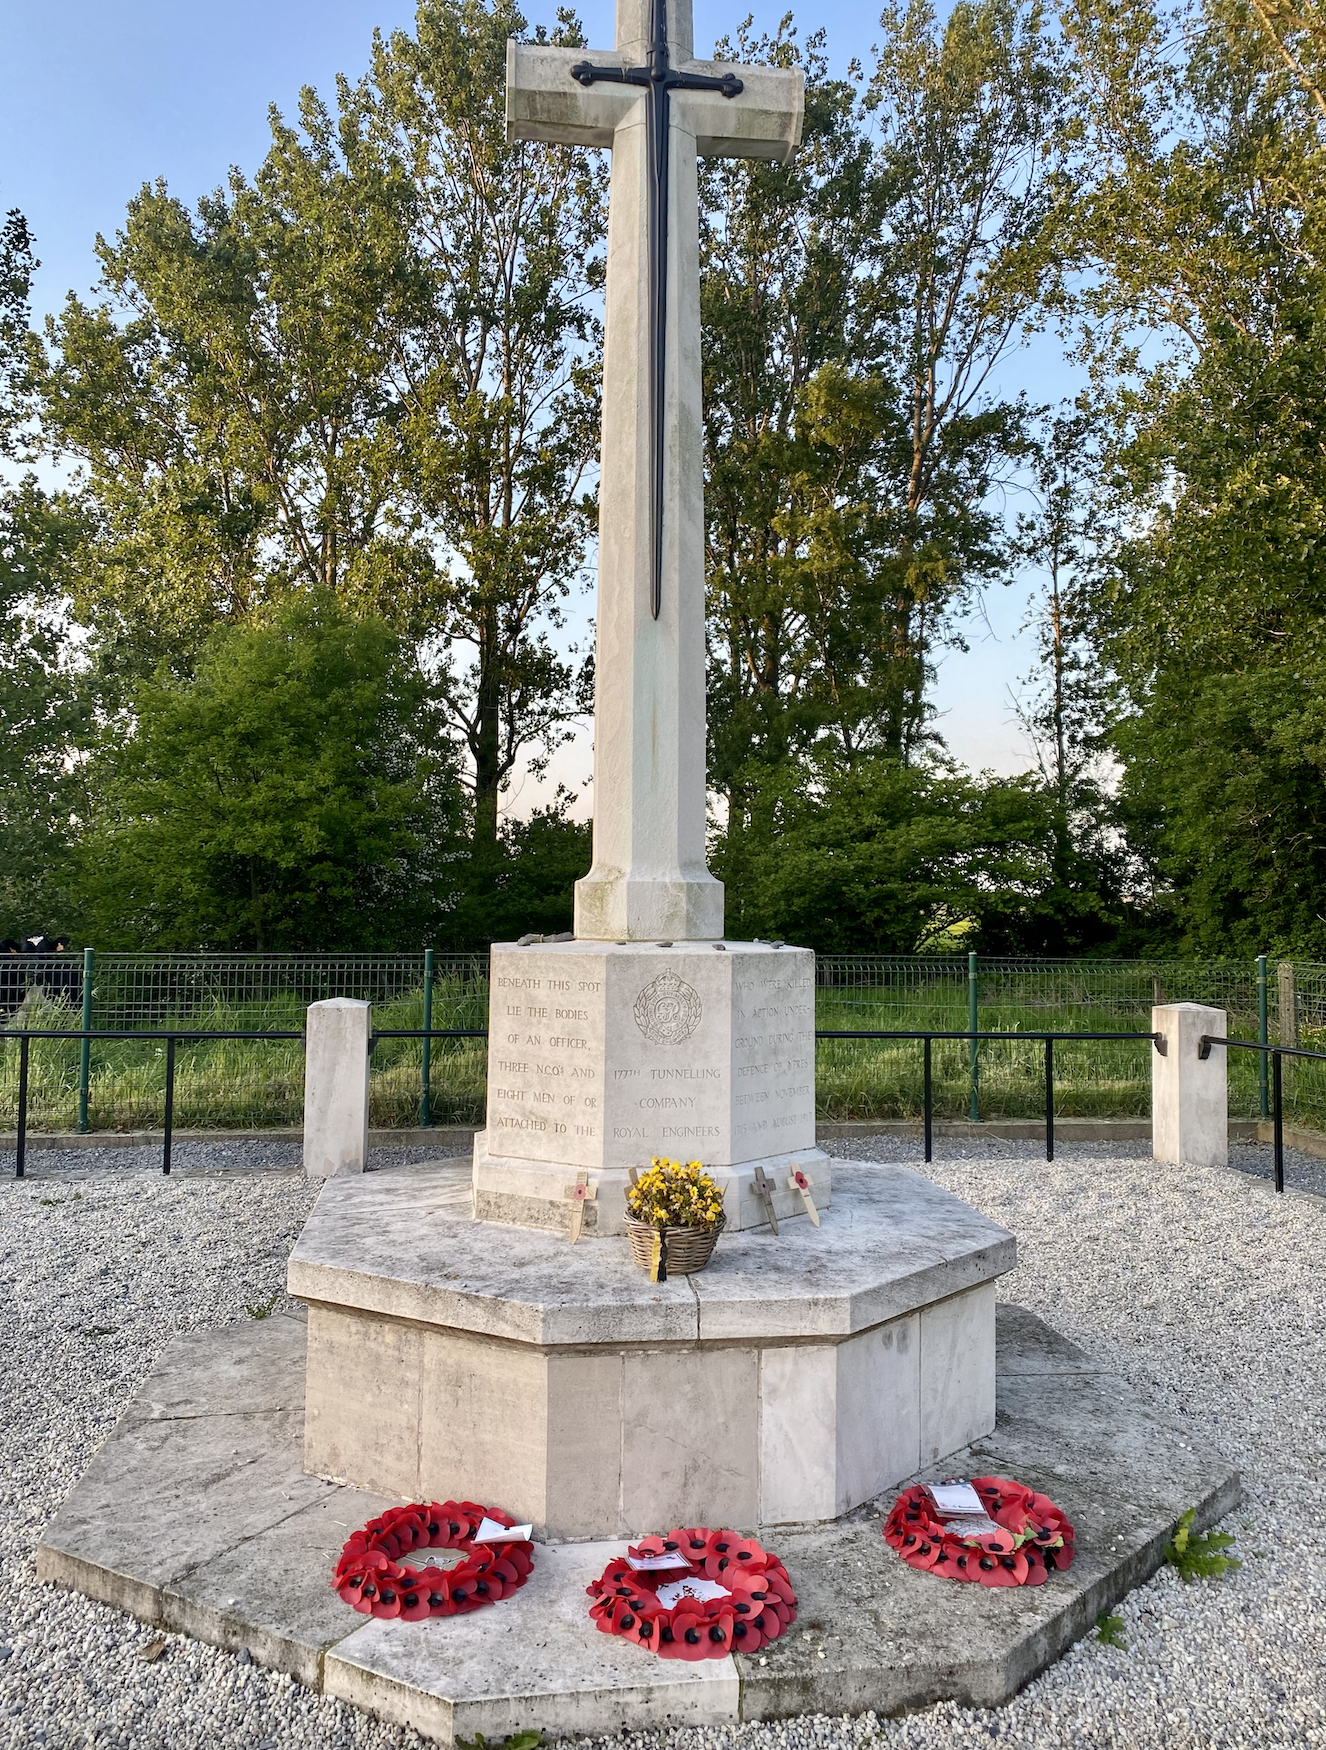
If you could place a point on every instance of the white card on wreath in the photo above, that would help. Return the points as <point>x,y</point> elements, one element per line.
<point>671,1595</point>
<point>951,1499</point>
<point>669,1559</point>
<point>491,1532</point>
<point>971,1525</point>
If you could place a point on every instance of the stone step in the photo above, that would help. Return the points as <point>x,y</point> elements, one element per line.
<point>196,1516</point>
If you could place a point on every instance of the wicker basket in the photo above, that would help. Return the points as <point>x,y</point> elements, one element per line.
<point>689,1248</point>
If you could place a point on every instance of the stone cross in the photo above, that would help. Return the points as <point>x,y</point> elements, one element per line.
<point>657,108</point>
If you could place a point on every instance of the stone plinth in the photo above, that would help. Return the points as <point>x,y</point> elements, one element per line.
<point>336,1087</point>
<point>603,1055</point>
<point>793,1379</point>
<point>1189,1093</point>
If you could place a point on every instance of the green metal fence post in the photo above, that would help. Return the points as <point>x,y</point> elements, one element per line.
<point>1263,1094</point>
<point>85,1045</point>
<point>426,1103</point>
<point>973,1026</point>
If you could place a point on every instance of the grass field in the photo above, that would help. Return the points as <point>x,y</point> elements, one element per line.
<point>252,1084</point>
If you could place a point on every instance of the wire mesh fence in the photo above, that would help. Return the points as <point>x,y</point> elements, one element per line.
<point>119,1085</point>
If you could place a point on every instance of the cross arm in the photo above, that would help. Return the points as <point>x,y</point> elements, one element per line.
<point>544,100</point>
<point>764,120</point>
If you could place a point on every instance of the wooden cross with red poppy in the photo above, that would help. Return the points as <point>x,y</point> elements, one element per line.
<point>764,1191</point>
<point>581,1192</point>
<point>802,1182</point>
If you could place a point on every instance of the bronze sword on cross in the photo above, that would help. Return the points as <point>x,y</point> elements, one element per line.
<point>659,79</point>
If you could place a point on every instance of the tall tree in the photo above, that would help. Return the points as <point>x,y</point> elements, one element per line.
<point>288,794</point>
<point>233,405</point>
<point>855,306</point>
<point>1204,224</point>
<point>43,709</point>
<point>369,370</point>
<point>501,380</point>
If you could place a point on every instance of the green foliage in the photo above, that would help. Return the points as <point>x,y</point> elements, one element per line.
<point>44,707</point>
<point>525,882</point>
<point>370,371</point>
<point>527,1740</point>
<point>882,857</point>
<point>1200,1557</point>
<point>1109,1630</point>
<point>1202,217</point>
<point>286,796</point>
<point>265,1308</point>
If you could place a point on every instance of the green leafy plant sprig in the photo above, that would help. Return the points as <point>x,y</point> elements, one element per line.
<point>1199,1557</point>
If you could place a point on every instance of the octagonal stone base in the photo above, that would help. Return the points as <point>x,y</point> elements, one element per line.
<point>197,1517</point>
<point>793,1379</point>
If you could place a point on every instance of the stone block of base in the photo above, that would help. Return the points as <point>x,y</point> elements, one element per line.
<point>602,1055</point>
<point>793,1379</point>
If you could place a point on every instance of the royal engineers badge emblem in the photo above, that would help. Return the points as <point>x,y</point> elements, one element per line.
<point>668,1011</point>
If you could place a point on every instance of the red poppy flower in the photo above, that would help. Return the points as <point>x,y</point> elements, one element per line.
<point>691,1638</point>
<point>691,1540</point>
<point>1037,1572</point>
<point>747,1636</point>
<point>748,1554</point>
<point>961,1564</point>
<point>769,1623</point>
<point>1007,1570</point>
<point>414,1603</point>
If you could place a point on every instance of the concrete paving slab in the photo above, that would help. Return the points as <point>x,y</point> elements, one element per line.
<point>202,1520</point>
<point>272,1595</point>
<point>163,1497</point>
<point>537,1660</point>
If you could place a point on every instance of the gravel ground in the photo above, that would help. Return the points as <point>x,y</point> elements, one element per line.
<point>1205,1290</point>
<point>189,1159</point>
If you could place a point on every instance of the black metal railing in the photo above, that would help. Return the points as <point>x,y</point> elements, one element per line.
<point>1157,1040</point>
<point>25,1035</point>
<point>1276,1053</point>
<point>1047,1040</point>
<point>171,1038</point>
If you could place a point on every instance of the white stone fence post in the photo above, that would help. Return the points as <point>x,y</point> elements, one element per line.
<point>336,1087</point>
<point>1189,1093</point>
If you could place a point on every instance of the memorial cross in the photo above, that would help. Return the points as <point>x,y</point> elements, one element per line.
<point>580,1193</point>
<point>764,1191</point>
<point>656,107</point>
<point>801,1181</point>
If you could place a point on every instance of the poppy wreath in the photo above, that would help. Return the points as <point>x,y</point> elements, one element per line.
<point>371,1579</point>
<point>759,1606</point>
<point>1034,1537</point>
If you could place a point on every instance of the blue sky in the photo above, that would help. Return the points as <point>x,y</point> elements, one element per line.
<point>96,99</point>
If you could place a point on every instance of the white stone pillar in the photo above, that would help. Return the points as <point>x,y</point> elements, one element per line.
<point>649,880</point>
<point>336,1087</point>
<point>1189,1093</point>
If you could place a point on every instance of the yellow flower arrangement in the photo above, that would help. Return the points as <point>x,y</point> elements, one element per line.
<point>673,1195</point>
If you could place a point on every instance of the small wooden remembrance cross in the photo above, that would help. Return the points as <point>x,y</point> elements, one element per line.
<point>580,1193</point>
<point>764,1191</point>
<point>801,1181</point>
